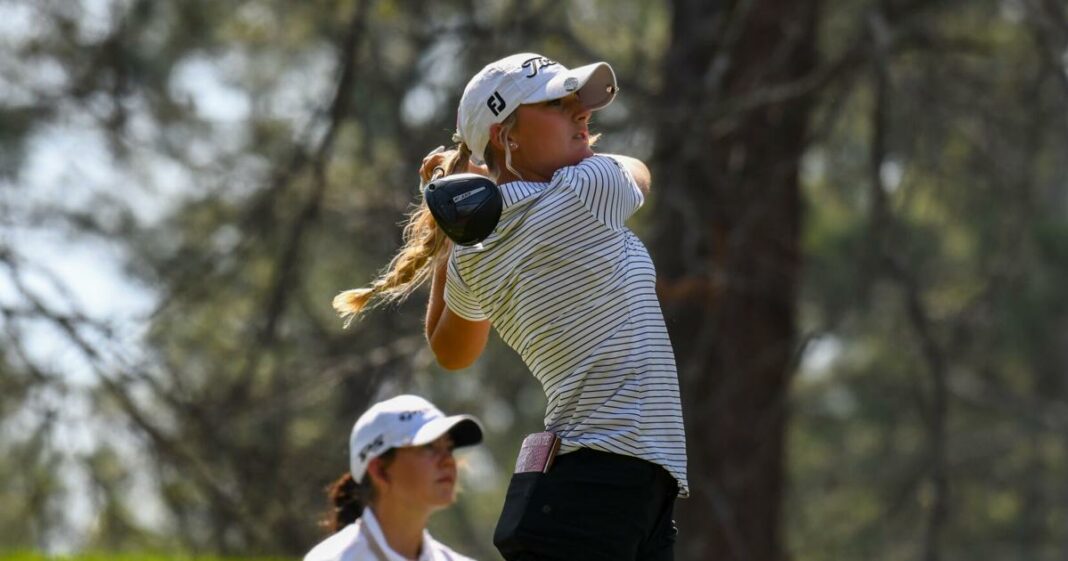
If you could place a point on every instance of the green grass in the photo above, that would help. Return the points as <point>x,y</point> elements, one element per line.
<point>128,557</point>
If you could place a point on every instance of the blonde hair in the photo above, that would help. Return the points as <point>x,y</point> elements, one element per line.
<point>424,242</point>
<point>410,267</point>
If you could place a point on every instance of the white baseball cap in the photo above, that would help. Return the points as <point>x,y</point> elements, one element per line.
<point>502,86</point>
<point>405,420</point>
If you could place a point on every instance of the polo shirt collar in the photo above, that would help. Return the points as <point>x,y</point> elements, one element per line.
<point>374,533</point>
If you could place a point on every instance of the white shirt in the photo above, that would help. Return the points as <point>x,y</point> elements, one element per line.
<point>573,291</point>
<point>363,540</point>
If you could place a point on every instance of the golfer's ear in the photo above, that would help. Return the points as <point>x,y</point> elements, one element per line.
<point>376,470</point>
<point>495,136</point>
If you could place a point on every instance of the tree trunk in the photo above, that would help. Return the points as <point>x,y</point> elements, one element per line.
<point>727,216</point>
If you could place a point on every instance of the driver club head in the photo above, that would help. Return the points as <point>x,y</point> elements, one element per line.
<point>466,206</point>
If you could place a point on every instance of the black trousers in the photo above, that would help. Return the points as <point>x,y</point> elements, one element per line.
<point>591,505</point>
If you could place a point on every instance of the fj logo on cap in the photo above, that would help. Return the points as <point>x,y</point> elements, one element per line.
<point>496,103</point>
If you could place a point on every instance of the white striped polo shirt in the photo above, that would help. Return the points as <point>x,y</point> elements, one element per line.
<point>572,290</point>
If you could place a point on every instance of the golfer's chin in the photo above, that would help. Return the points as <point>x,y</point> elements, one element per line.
<point>581,154</point>
<point>444,497</point>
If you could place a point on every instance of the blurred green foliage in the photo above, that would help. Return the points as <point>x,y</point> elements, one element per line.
<point>243,204</point>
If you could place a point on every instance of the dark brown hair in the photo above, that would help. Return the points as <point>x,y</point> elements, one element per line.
<point>347,498</point>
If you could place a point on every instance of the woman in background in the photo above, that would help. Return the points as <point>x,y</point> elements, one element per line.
<point>401,470</point>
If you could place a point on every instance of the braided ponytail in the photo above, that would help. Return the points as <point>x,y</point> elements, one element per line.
<point>411,266</point>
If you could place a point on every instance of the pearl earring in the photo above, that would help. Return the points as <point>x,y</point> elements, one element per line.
<point>513,145</point>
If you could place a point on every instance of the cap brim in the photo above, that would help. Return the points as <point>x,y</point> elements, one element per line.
<point>464,429</point>
<point>595,84</point>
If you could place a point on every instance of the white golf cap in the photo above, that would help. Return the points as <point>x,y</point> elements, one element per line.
<point>405,420</point>
<point>502,86</point>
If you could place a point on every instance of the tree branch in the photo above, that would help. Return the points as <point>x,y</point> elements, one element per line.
<point>887,263</point>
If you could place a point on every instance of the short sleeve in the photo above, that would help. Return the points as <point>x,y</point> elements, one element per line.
<point>458,296</point>
<point>606,188</point>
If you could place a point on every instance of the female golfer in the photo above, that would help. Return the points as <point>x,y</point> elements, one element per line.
<point>572,290</point>
<point>401,471</point>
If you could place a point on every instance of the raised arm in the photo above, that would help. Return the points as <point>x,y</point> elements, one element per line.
<point>637,169</point>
